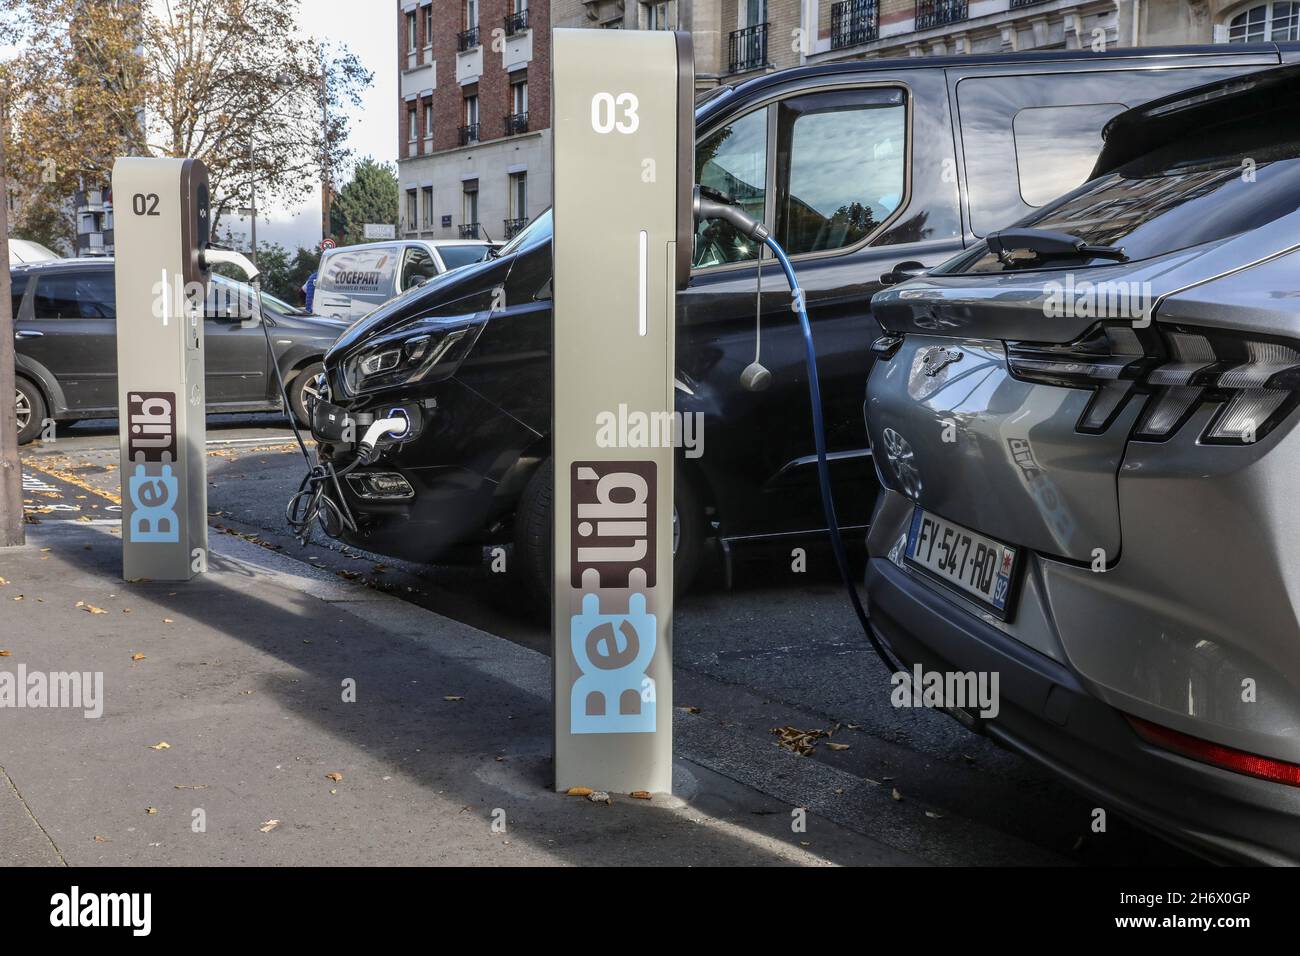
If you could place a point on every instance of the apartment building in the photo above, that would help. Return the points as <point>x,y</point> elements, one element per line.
<point>474,138</point>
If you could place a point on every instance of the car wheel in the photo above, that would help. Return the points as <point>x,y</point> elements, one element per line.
<point>31,410</point>
<point>533,532</point>
<point>301,388</point>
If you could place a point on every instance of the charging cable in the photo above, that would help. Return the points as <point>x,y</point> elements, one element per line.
<point>711,205</point>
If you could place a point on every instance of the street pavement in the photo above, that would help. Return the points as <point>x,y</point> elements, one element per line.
<point>778,650</point>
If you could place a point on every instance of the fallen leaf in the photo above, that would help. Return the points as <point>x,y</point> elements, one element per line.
<point>896,795</point>
<point>640,794</point>
<point>797,741</point>
<point>6,653</point>
<point>126,610</point>
<point>186,786</point>
<point>269,825</point>
<point>101,839</point>
<point>835,746</point>
<point>933,816</point>
<point>137,657</point>
<point>3,582</point>
<point>336,777</point>
<point>151,810</point>
<point>168,620</point>
<point>19,597</point>
<point>600,796</point>
<point>160,745</point>
<point>453,697</point>
<point>90,608</point>
<point>579,792</point>
<point>690,710</point>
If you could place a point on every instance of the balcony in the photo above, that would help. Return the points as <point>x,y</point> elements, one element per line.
<point>516,123</point>
<point>469,230</point>
<point>513,226</point>
<point>854,22</point>
<point>747,49</point>
<point>517,23</point>
<point>467,40</point>
<point>468,134</point>
<point>935,13</point>
<point>1017,4</point>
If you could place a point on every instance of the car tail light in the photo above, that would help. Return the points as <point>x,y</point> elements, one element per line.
<point>1255,380</point>
<point>1217,755</point>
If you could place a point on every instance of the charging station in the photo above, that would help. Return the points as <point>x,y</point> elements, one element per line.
<point>161,230</point>
<point>624,138</point>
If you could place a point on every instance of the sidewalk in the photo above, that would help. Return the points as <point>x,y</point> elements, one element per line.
<point>243,677</point>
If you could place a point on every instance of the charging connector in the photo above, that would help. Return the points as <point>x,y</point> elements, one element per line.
<point>396,426</point>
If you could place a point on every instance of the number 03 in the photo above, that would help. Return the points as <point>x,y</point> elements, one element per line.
<point>606,109</point>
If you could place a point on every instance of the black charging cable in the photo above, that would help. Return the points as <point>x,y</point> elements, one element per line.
<point>709,204</point>
<point>311,503</point>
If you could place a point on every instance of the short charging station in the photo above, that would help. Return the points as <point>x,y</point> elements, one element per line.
<point>161,233</point>
<point>623,139</point>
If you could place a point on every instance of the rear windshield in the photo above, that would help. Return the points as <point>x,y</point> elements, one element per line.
<point>1223,182</point>
<point>359,270</point>
<point>453,257</point>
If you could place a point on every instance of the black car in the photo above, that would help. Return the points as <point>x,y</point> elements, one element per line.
<point>65,324</point>
<point>867,172</point>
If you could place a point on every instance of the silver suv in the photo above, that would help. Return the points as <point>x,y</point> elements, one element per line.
<point>1085,428</point>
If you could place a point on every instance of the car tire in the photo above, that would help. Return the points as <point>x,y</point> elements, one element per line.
<point>532,557</point>
<point>31,410</point>
<point>298,387</point>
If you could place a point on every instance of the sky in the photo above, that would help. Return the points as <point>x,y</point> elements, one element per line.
<point>368,29</point>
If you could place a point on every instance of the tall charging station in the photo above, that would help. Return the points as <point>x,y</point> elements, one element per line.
<point>161,230</point>
<point>623,135</point>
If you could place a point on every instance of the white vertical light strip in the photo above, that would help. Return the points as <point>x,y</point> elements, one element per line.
<point>642,288</point>
<point>166,290</point>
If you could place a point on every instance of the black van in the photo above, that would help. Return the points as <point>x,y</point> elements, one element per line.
<point>867,172</point>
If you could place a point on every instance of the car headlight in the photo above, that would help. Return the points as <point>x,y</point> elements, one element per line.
<point>425,351</point>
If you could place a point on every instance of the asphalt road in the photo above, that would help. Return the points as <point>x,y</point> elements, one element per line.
<point>778,649</point>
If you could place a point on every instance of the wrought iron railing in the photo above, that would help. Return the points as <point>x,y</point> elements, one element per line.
<point>467,39</point>
<point>468,134</point>
<point>854,22</point>
<point>933,13</point>
<point>469,230</point>
<point>516,123</point>
<point>747,49</point>
<point>517,22</point>
<point>514,225</point>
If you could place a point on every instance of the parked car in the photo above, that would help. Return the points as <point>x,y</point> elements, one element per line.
<point>24,250</point>
<point>860,168</point>
<point>354,280</point>
<point>1098,501</point>
<point>65,323</point>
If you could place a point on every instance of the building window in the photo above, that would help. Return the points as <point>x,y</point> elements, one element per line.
<point>410,32</point>
<point>428,118</point>
<point>412,209</point>
<point>854,22</point>
<point>517,119</point>
<point>655,15</point>
<point>469,132</point>
<point>426,16</point>
<point>469,210</point>
<point>518,198</point>
<point>427,198</point>
<point>1268,21</point>
<point>517,20</point>
<point>933,13</point>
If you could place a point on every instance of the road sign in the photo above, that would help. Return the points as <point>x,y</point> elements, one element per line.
<point>328,244</point>
<point>375,230</point>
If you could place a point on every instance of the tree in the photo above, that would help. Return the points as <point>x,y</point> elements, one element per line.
<point>371,196</point>
<point>226,81</point>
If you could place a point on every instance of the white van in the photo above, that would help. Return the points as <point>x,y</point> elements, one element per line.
<point>355,280</point>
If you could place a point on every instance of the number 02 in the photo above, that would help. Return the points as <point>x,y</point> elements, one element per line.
<point>605,109</point>
<point>145,205</point>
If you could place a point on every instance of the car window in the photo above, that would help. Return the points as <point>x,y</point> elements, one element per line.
<point>733,160</point>
<point>76,295</point>
<point>358,270</point>
<point>453,257</point>
<point>1184,193</point>
<point>1045,170</point>
<point>417,265</point>
<point>19,289</point>
<point>841,167</point>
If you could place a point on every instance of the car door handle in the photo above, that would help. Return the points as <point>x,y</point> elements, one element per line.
<point>28,334</point>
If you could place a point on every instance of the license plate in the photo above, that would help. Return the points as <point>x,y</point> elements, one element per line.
<point>976,565</point>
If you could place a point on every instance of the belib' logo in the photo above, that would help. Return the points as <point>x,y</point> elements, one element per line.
<point>152,486</point>
<point>613,554</point>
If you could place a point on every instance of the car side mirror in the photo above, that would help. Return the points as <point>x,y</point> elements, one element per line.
<point>904,271</point>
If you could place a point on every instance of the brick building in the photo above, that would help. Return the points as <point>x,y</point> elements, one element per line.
<point>474,138</point>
